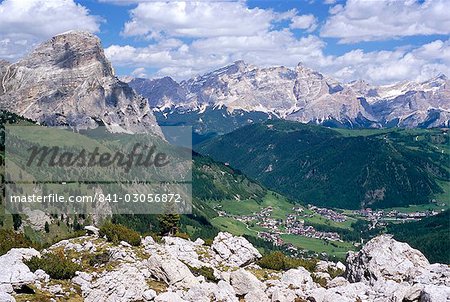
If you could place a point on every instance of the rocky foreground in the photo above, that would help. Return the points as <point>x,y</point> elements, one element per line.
<point>383,270</point>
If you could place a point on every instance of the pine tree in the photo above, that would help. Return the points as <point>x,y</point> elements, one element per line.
<point>170,220</point>
<point>17,221</point>
<point>168,223</point>
<point>47,227</point>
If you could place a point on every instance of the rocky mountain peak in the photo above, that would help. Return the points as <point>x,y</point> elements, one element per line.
<point>67,80</point>
<point>71,50</point>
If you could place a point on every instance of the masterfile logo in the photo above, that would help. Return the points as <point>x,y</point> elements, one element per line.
<point>59,170</point>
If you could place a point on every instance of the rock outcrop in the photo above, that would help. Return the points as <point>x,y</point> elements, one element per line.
<point>68,81</point>
<point>234,251</point>
<point>13,272</point>
<point>384,258</point>
<point>383,270</point>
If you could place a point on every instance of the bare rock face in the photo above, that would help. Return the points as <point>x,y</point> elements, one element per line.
<point>68,81</point>
<point>383,258</point>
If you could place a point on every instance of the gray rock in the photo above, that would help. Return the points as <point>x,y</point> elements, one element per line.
<point>206,292</point>
<point>234,251</point>
<point>182,249</point>
<point>126,283</point>
<point>56,289</point>
<point>384,258</point>
<point>171,270</point>
<point>338,281</point>
<point>435,293</point>
<point>302,94</point>
<point>92,229</point>
<point>36,219</point>
<point>298,278</point>
<point>149,295</point>
<point>256,296</point>
<point>125,244</point>
<point>283,295</point>
<point>413,293</point>
<point>435,274</point>
<point>5,297</point>
<point>245,282</point>
<point>120,253</point>
<point>148,242</point>
<point>348,293</point>
<point>14,273</point>
<point>169,297</point>
<point>42,275</point>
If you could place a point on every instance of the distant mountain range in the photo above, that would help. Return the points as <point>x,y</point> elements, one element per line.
<point>242,91</point>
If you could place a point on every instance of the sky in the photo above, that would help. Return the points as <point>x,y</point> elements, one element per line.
<point>380,41</point>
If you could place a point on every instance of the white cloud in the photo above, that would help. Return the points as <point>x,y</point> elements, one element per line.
<point>197,19</point>
<point>308,22</point>
<point>182,60</point>
<point>384,67</point>
<point>362,20</point>
<point>24,23</point>
<point>139,72</point>
<point>194,38</point>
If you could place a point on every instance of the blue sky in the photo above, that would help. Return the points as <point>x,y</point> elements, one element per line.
<point>382,41</point>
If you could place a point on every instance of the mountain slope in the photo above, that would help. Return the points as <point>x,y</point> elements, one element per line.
<point>68,81</point>
<point>430,236</point>
<point>320,166</point>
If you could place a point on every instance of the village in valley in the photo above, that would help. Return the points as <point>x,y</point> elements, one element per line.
<point>293,223</point>
<point>299,221</point>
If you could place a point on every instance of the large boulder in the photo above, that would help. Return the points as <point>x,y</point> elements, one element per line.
<point>206,292</point>
<point>384,258</point>
<point>13,272</point>
<point>182,249</point>
<point>348,293</point>
<point>434,293</point>
<point>298,278</point>
<point>127,283</point>
<point>171,270</point>
<point>234,251</point>
<point>245,282</point>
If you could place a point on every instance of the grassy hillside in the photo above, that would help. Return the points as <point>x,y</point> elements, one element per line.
<point>339,168</point>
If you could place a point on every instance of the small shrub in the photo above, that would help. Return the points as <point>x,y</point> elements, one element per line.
<point>9,239</point>
<point>208,242</point>
<point>117,232</point>
<point>280,262</point>
<point>98,259</point>
<point>319,280</point>
<point>335,272</point>
<point>207,272</point>
<point>57,266</point>
<point>182,235</point>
